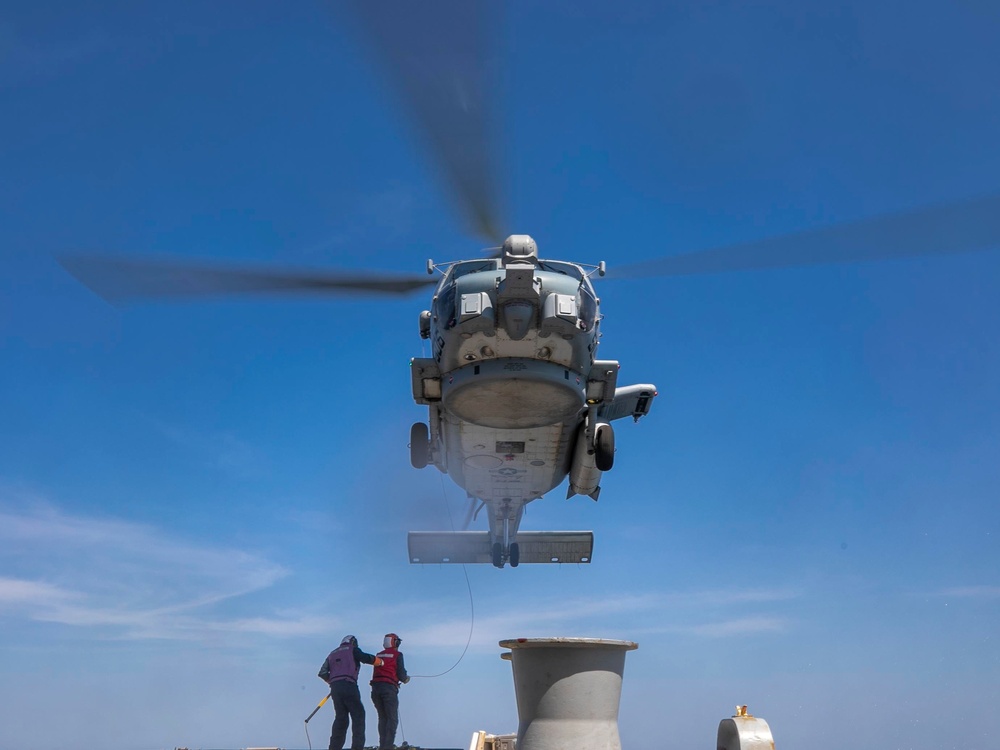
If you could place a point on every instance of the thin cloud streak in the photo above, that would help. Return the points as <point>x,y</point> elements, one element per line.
<point>221,450</point>
<point>139,583</point>
<point>738,626</point>
<point>970,592</point>
<point>14,591</point>
<point>131,579</point>
<point>535,619</point>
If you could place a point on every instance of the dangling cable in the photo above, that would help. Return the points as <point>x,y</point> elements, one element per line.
<point>472,606</point>
<point>468,641</point>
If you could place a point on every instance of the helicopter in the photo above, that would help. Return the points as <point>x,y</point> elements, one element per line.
<point>517,399</point>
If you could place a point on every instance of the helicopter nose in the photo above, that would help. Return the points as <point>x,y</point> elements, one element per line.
<point>518,316</point>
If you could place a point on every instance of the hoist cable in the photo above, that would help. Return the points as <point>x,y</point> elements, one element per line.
<point>472,606</point>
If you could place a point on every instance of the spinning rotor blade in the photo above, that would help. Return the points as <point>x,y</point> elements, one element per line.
<point>122,279</point>
<point>435,56</point>
<point>938,230</point>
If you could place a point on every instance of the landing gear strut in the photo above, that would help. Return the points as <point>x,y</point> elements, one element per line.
<point>513,555</point>
<point>505,551</point>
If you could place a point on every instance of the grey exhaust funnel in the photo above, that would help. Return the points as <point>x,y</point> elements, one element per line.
<point>568,691</point>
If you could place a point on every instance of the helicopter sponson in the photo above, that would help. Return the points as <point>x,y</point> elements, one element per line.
<point>517,398</point>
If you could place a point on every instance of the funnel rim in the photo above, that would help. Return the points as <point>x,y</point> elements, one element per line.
<point>568,642</point>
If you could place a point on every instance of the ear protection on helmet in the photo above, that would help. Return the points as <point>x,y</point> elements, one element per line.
<point>391,640</point>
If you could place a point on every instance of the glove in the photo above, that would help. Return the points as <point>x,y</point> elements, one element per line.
<point>406,679</point>
<point>378,662</point>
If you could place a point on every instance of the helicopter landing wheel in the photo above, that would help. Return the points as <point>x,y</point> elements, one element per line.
<point>604,448</point>
<point>497,555</point>
<point>515,555</point>
<point>420,445</point>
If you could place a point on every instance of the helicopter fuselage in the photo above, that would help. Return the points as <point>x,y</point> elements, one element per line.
<point>517,398</point>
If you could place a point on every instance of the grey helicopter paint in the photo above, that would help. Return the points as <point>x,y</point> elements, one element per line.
<point>517,400</point>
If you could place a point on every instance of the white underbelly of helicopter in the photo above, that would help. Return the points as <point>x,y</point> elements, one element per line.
<point>513,393</point>
<point>496,464</point>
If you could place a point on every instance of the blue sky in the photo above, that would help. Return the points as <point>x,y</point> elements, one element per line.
<point>197,501</point>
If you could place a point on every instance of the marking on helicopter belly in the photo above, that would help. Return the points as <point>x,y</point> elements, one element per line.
<point>483,461</point>
<point>508,471</point>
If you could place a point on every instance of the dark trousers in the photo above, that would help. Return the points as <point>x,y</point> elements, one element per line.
<point>385,696</point>
<point>347,704</point>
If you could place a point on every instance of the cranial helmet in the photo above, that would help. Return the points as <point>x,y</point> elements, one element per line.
<point>349,639</point>
<point>391,640</point>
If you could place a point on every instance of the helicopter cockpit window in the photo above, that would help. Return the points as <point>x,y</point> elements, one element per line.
<point>588,307</point>
<point>567,269</point>
<point>445,307</point>
<point>472,266</point>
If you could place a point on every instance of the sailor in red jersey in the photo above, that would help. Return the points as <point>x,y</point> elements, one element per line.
<point>386,679</point>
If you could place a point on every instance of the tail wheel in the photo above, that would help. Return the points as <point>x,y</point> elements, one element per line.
<point>515,555</point>
<point>420,445</point>
<point>604,448</point>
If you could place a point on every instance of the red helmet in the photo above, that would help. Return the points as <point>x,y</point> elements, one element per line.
<point>391,640</point>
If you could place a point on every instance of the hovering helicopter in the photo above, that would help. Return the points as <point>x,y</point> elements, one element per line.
<point>517,399</point>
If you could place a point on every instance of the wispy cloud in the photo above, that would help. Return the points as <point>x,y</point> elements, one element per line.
<point>653,612</point>
<point>737,626</point>
<point>14,591</point>
<point>970,592</point>
<point>131,579</point>
<point>222,450</point>
<point>535,618</point>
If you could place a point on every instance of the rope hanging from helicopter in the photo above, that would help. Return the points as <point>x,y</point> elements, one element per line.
<point>472,617</point>
<point>468,584</point>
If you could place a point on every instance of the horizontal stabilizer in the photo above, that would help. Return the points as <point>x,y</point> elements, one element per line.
<point>427,547</point>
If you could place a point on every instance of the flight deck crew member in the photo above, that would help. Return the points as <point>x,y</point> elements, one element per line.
<point>385,689</point>
<point>341,670</point>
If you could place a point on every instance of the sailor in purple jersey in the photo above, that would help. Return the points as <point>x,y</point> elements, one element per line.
<point>340,671</point>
